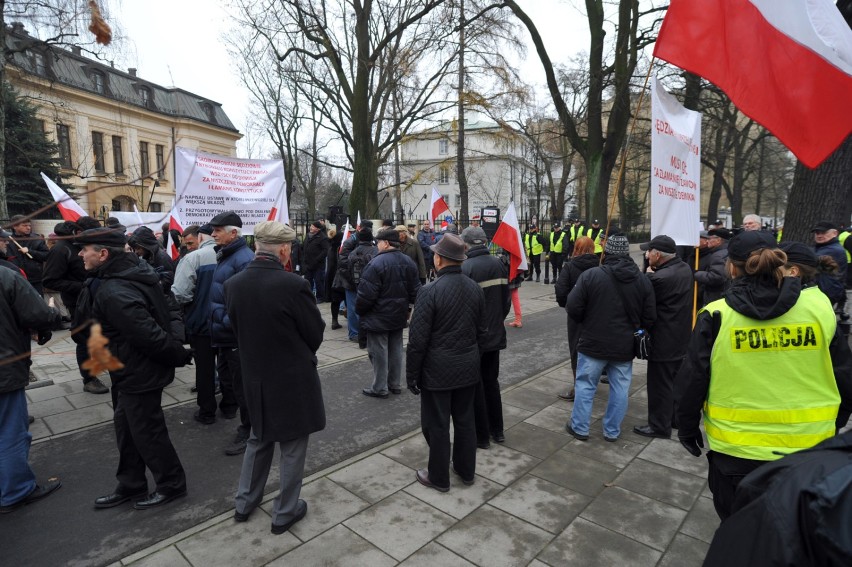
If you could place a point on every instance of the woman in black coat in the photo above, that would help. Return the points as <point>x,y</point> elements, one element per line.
<point>336,295</point>
<point>582,259</point>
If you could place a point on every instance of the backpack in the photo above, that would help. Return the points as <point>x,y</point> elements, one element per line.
<point>358,260</point>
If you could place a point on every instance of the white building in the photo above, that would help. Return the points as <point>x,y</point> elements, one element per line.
<point>497,165</point>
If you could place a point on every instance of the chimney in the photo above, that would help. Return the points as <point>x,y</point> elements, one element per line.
<point>132,71</point>
<point>112,64</point>
<point>18,28</point>
<point>75,49</point>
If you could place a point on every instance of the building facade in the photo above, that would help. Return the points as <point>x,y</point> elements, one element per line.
<point>116,131</point>
<point>497,165</point>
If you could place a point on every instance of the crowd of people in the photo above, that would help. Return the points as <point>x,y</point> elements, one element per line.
<point>766,310</point>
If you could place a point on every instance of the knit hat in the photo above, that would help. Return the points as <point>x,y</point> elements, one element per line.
<point>317,224</point>
<point>365,235</point>
<point>617,245</point>
<point>273,232</point>
<point>798,253</point>
<point>86,223</point>
<point>388,234</point>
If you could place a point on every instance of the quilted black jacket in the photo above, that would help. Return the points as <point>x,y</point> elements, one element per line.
<point>491,274</point>
<point>388,285</point>
<point>447,330</point>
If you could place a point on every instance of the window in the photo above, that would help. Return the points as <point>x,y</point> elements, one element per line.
<point>144,162</point>
<point>446,199</point>
<point>63,139</point>
<point>209,112</point>
<point>155,207</point>
<point>38,125</point>
<point>444,175</point>
<point>145,95</point>
<point>458,201</point>
<point>117,162</point>
<point>39,64</point>
<point>443,147</point>
<point>98,147</point>
<point>161,162</point>
<point>116,205</point>
<point>99,82</point>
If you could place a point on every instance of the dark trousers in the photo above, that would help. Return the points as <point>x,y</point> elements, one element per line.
<point>661,376</point>
<point>436,408</point>
<point>573,339</point>
<point>82,353</point>
<point>723,476</point>
<point>488,406</point>
<point>205,373</point>
<point>231,380</point>
<point>556,264</point>
<point>17,480</point>
<point>534,266</point>
<point>317,280</point>
<point>143,441</point>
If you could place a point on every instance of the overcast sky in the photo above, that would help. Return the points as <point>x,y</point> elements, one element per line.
<point>178,43</point>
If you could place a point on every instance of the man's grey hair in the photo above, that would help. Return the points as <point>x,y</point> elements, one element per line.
<point>239,229</point>
<point>752,218</point>
<point>667,255</point>
<point>202,237</point>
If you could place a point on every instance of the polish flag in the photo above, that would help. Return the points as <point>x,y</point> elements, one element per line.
<point>787,65</point>
<point>508,237</point>
<point>345,235</point>
<point>358,222</point>
<point>175,223</point>
<point>280,212</point>
<point>437,206</point>
<point>68,207</point>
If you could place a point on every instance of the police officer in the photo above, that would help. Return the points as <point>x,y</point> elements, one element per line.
<point>557,241</point>
<point>770,366</point>
<point>534,248</point>
<point>596,233</point>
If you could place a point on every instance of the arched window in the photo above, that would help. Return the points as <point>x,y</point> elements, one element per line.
<point>123,203</point>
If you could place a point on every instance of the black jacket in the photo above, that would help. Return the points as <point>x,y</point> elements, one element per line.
<point>608,326</point>
<point>672,284</point>
<point>447,330</point>
<point>314,250</point>
<point>791,512</point>
<point>760,302</point>
<point>33,267</point>
<point>162,263</point>
<point>23,310</point>
<point>230,259</point>
<point>128,301</point>
<point>389,284</point>
<point>63,269</point>
<point>713,278</point>
<point>492,275</point>
<point>279,330</point>
<point>570,273</point>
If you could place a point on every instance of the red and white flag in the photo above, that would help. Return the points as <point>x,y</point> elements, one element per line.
<point>175,223</point>
<point>508,237</point>
<point>345,235</point>
<point>280,212</point>
<point>68,207</point>
<point>437,206</point>
<point>787,65</point>
<point>358,222</point>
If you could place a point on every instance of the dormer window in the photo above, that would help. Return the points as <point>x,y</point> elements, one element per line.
<point>99,82</point>
<point>39,63</point>
<point>145,95</point>
<point>209,112</point>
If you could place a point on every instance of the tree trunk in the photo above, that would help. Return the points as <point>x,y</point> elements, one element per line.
<point>820,194</point>
<point>461,174</point>
<point>361,128</point>
<point>4,210</point>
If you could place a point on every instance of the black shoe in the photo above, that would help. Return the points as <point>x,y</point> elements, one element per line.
<point>240,517</point>
<point>610,439</point>
<point>193,390</point>
<point>229,414</point>
<point>205,419</point>
<point>39,492</point>
<point>569,396</point>
<point>238,447</point>
<point>648,431</point>
<point>604,380</point>
<point>353,339</point>
<point>465,481</point>
<point>574,434</point>
<point>277,530</point>
<point>485,445</point>
<point>157,499</point>
<point>362,341</point>
<point>423,478</point>
<point>396,391</point>
<point>30,420</point>
<point>370,393</point>
<point>116,498</point>
<point>499,437</point>
<point>95,386</point>
<point>335,325</point>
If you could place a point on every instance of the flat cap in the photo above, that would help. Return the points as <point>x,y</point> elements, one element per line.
<point>273,232</point>
<point>102,237</point>
<point>661,243</point>
<point>206,228</point>
<point>227,218</point>
<point>823,226</point>
<point>474,236</point>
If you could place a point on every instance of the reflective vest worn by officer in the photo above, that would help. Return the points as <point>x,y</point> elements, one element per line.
<point>596,238</point>
<point>537,248</point>
<point>772,386</point>
<point>842,239</point>
<point>557,246</point>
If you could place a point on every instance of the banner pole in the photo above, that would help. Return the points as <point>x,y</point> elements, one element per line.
<point>624,152</point>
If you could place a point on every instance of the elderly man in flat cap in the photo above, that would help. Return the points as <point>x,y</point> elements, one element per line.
<point>279,330</point>
<point>125,296</point>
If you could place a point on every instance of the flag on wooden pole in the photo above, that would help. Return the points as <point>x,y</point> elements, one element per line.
<point>68,207</point>
<point>508,237</point>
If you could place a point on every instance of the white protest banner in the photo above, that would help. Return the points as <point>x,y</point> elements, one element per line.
<point>675,168</point>
<point>208,184</point>
<point>134,219</point>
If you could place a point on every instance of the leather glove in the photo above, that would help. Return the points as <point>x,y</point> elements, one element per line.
<point>43,337</point>
<point>692,443</point>
<point>412,387</point>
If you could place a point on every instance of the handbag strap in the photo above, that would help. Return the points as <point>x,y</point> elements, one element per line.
<point>621,296</point>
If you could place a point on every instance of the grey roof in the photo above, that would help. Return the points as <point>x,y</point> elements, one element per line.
<point>74,70</point>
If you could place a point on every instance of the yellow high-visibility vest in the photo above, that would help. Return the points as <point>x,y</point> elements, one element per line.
<point>557,246</point>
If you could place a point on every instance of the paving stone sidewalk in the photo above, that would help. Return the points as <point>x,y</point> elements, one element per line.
<point>542,498</point>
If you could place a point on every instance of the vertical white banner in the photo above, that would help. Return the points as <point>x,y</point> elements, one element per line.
<point>675,168</point>
<point>207,184</point>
